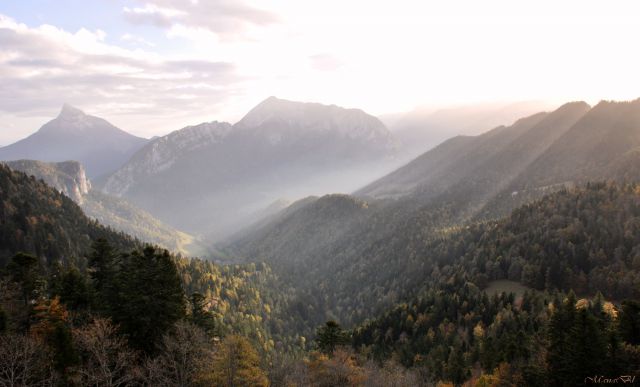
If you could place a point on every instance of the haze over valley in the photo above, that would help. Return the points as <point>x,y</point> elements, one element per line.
<point>215,193</point>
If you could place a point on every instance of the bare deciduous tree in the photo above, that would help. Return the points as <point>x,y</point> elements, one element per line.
<point>106,359</point>
<point>25,361</point>
<point>391,374</point>
<point>185,358</point>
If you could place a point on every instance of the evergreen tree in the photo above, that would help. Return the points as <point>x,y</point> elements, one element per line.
<point>23,269</point>
<point>200,316</point>
<point>3,320</point>
<point>62,343</point>
<point>151,298</point>
<point>630,322</point>
<point>561,365</point>
<point>586,350</point>
<point>456,369</point>
<point>73,289</point>
<point>103,265</point>
<point>330,336</point>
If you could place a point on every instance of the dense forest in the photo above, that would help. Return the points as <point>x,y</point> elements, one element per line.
<point>84,305</point>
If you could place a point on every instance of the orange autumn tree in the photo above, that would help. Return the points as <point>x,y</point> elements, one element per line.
<point>50,325</point>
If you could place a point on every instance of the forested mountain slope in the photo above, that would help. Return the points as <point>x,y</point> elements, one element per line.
<point>69,178</point>
<point>583,240</point>
<point>407,272</point>
<point>38,219</point>
<point>371,258</point>
<point>81,304</point>
<point>602,145</point>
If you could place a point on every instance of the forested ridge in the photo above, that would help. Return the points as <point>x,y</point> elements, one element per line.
<point>84,305</point>
<point>70,284</point>
<point>37,219</point>
<point>583,240</point>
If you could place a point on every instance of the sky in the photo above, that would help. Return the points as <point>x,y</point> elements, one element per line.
<point>154,66</point>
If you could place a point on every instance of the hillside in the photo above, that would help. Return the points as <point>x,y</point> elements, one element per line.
<point>377,256</point>
<point>76,261</point>
<point>602,145</point>
<point>73,135</point>
<point>502,169</point>
<point>307,227</point>
<point>40,220</point>
<point>489,160</point>
<point>220,175</point>
<point>69,178</point>
<point>582,240</point>
<point>406,273</point>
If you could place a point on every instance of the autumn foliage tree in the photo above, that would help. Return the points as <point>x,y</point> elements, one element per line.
<point>236,363</point>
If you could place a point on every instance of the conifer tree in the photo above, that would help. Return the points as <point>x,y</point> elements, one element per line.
<point>560,364</point>
<point>23,269</point>
<point>151,298</point>
<point>330,336</point>
<point>630,322</point>
<point>103,264</point>
<point>200,316</point>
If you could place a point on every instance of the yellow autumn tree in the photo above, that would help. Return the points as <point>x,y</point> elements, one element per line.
<point>341,369</point>
<point>236,363</point>
<point>47,315</point>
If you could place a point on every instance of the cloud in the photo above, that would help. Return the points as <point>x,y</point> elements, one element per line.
<point>225,18</point>
<point>153,14</point>
<point>45,66</point>
<point>325,62</point>
<point>136,40</point>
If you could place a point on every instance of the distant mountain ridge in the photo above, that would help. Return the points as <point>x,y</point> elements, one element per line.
<point>279,114</point>
<point>220,175</point>
<point>74,135</point>
<point>462,181</point>
<point>424,128</point>
<point>487,163</point>
<point>162,153</point>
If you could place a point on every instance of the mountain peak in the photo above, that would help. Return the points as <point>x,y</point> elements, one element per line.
<point>70,111</point>
<point>271,99</point>
<point>273,102</point>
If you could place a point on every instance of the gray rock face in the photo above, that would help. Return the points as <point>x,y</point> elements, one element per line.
<point>162,153</point>
<point>67,177</point>
<point>99,146</point>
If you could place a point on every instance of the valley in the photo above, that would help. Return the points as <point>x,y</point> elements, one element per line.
<point>238,193</point>
<point>433,272</point>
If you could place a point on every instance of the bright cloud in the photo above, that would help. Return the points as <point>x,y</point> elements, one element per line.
<point>40,68</point>
<point>170,63</point>
<point>222,17</point>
